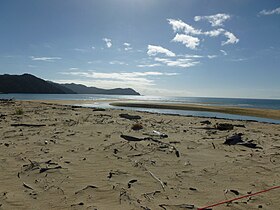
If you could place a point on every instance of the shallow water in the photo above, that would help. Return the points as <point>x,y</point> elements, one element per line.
<point>236,102</point>
<point>184,112</point>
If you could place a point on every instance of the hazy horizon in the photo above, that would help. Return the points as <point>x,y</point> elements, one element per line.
<point>194,48</point>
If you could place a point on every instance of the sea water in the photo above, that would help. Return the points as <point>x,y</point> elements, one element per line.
<point>234,102</point>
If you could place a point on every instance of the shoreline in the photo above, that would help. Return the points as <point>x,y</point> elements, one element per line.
<point>253,112</point>
<point>80,103</point>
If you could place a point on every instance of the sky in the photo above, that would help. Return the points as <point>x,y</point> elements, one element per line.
<point>210,48</point>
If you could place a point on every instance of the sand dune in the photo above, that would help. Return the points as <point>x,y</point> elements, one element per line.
<point>62,157</point>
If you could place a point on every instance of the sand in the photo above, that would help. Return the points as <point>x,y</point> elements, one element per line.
<point>61,157</point>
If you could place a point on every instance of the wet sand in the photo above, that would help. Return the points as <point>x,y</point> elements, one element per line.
<point>54,156</point>
<point>265,113</point>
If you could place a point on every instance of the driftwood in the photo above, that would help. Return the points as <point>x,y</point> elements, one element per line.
<point>141,154</point>
<point>236,139</point>
<point>130,117</point>
<point>32,166</point>
<point>224,126</point>
<point>42,170</point>
<point>27,186</point>
<point>161,183</point>
<point>37,165</point>
<point>2,116</point>
<point>27,125</point>
<point>205,122</point>
<point>181,206</point>
<point>161,135</point>
<point>98,110</point>
<point>221,127</point>
<point>174,142</point>
<point>131,182</point>
<point>78,204</point>
<point>235,192</point>
<point>87,187</point>
<point>137,127</point>
<point>166,144</point>
<point>123,193</point>
<point>148,194</point>
<point>131,138</point>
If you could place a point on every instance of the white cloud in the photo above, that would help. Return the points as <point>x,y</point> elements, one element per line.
<point>44,58</point>
<point>149,65</point>
<point>224,52</point>
<point>124,76</point>
<point>215,20</point>
<point>181,62</point>
<point>180,26</point>
<point>154,50</point>
<point>189,41</point>
<point>140,81</point>
<point>214,33</point>
<point>239,59</point>
<point>188,31</point>
<point>118,62</point>
<point>212,56</point>
<point>108,42</point>
<point>127,46</point>
<point>109,83</point>
<point>232,39</point>
<point>270,12</point>
<point>81,50</point>
<point>149,89</point>
<point>192,56</point>
<point>96,61</point>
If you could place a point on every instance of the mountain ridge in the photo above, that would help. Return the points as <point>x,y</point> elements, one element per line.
<point>28,83</point>
<point>82,89</point>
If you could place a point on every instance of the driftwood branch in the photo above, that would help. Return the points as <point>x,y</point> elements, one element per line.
<point>131,138</point>
<point>156,178</point>
<point>181,206</point>
<point>130,117</point>
<point>27,186</point>
<point>85,188</point>
<point>27,125</point>
<point>42,170</point>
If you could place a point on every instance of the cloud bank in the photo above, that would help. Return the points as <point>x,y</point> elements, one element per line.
<point>141,81</point>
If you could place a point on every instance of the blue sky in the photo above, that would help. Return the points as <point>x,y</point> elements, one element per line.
<point>208,48</point>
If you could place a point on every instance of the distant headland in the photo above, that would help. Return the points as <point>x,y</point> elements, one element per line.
<point>27,83</point>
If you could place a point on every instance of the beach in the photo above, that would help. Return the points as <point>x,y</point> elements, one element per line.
<point>57,156</point>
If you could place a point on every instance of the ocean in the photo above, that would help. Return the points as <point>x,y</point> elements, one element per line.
<point>235,102</point>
